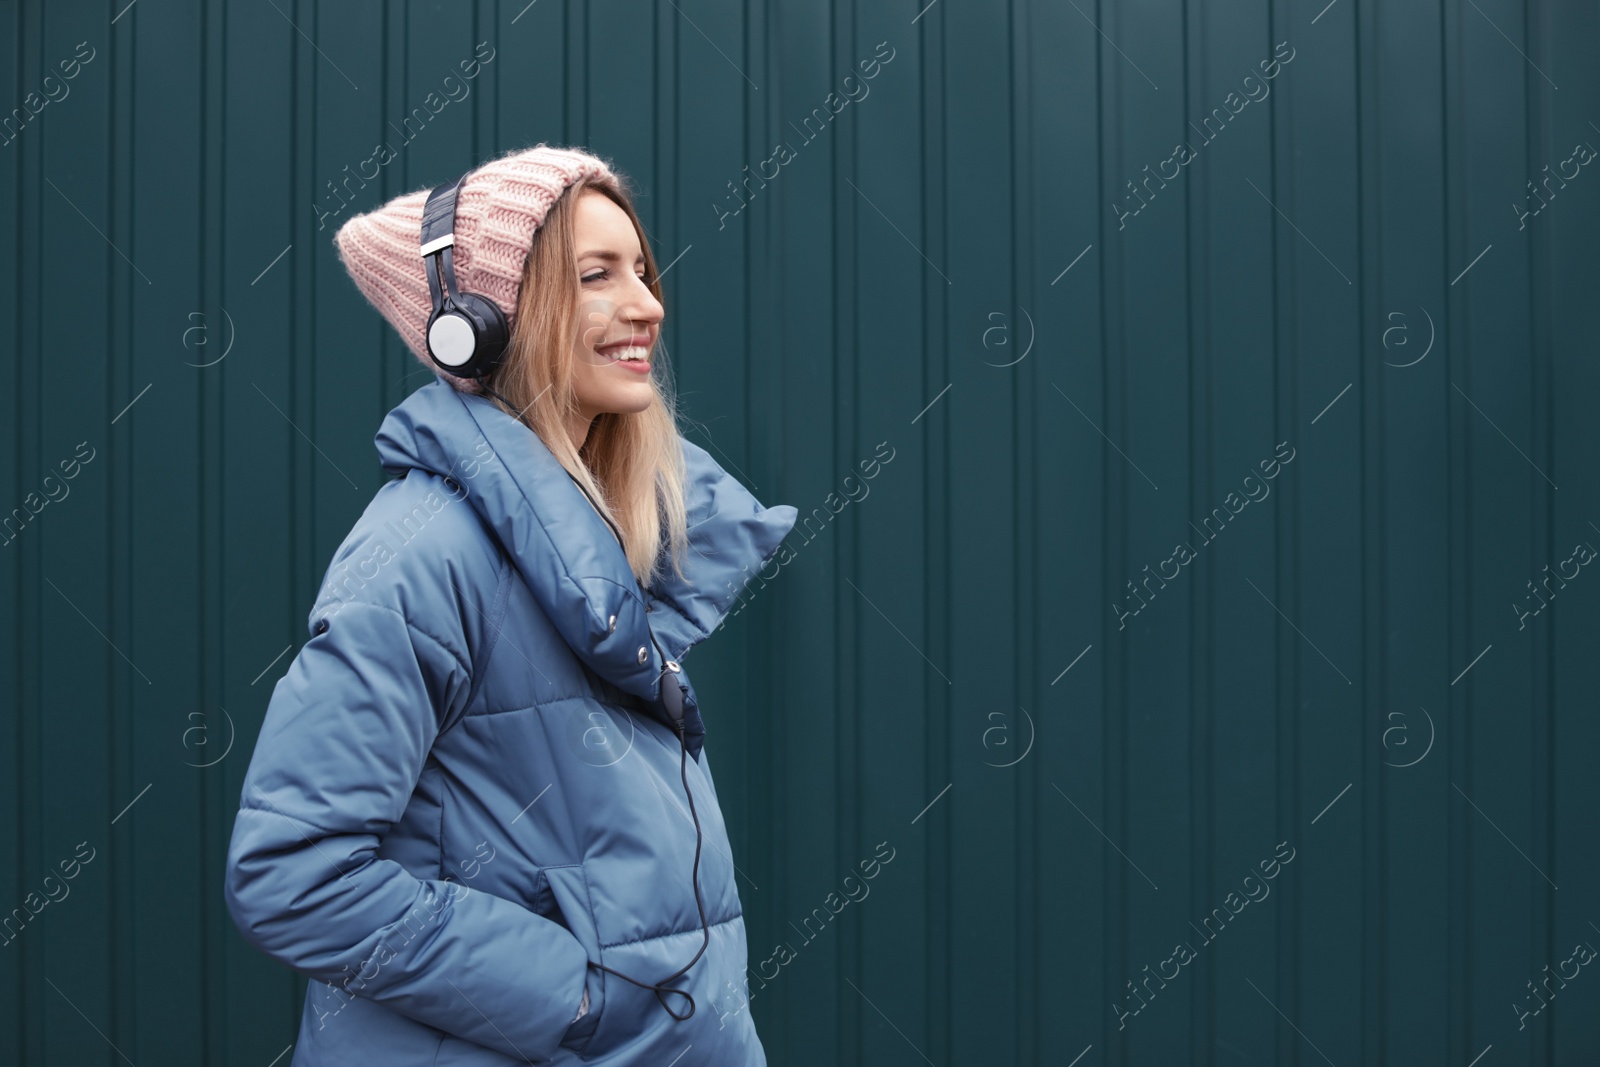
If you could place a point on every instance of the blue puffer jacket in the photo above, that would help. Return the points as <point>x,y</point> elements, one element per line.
<point>468,785</point>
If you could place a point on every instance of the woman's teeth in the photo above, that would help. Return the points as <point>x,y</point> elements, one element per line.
<point>631,353</point>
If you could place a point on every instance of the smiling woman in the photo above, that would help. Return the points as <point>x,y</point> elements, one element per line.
<point>434,705</point>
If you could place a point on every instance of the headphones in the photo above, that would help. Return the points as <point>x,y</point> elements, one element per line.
<point>466,333</point>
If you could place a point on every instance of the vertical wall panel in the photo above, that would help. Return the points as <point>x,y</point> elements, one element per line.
<point>258,602</point>
<point>1566,310</point>
<point>980,613</point>
<point>17,406</point>
<point>1051,634</point>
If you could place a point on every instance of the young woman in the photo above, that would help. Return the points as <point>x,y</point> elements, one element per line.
<point>479,814</point>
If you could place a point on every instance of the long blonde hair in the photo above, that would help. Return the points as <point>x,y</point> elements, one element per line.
<point>630,464</point>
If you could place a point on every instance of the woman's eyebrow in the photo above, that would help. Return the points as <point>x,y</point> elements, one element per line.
<point>608,256</point>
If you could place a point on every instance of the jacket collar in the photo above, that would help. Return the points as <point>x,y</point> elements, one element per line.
<point>567,554</point>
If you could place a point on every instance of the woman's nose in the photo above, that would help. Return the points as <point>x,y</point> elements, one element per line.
<point>644,307</point>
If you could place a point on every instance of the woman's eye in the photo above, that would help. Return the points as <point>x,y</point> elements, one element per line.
<point>604,274</point>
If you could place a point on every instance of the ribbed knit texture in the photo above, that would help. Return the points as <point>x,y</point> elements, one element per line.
<point>499,207</point>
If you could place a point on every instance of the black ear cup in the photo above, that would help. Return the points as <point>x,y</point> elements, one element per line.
<point>493,334</point>
<point>468,337</point>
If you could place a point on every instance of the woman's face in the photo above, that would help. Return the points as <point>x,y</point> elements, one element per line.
<point>618,317</point>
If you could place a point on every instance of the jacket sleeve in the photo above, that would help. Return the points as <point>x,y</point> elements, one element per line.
<point>732,536</point>
<point>344,740</point>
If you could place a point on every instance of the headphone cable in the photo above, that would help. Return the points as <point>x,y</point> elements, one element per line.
<point>484,381</point>
<point>660,988</point>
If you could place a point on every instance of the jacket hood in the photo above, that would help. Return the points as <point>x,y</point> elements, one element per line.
<point>567,554</point>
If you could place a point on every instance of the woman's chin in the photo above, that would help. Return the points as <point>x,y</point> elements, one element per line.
<point>630,401</point>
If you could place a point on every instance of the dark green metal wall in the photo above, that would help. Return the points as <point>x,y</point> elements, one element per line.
<point>989,660</point>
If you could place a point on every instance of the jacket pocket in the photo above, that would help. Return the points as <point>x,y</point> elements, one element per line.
<point>570,888</point>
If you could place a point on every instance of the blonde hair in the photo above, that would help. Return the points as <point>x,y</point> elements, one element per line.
<point>631,464</point>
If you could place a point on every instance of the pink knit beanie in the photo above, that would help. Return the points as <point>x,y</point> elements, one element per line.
<point>499,207</point>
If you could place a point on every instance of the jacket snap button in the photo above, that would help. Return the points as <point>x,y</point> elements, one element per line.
<point>612,628</point>
<point>643,655</point>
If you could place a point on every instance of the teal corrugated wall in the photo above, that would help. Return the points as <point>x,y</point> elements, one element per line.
<point>1170,440</point>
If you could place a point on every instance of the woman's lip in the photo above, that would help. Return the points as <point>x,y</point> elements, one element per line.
<point>640,341</point>
<point>638,366</point>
